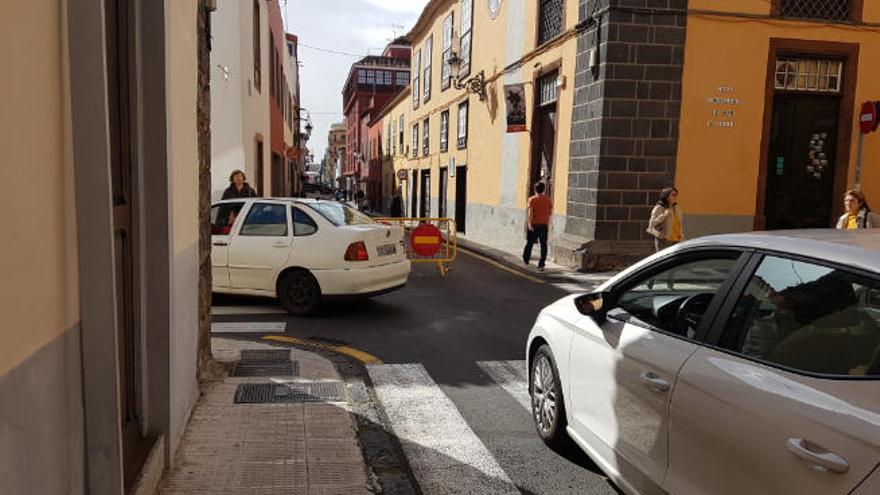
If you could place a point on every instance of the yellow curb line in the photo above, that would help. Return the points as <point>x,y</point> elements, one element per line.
<point>361,356</point>
<point>500,266</point>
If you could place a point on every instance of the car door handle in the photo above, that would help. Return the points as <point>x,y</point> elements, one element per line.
<point>653,380</point>
<point>221,243</point>
<point>281,245</point>
<point>816,455</point>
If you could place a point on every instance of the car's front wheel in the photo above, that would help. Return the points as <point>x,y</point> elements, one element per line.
<point>548,407</point>
<point>299,292</point>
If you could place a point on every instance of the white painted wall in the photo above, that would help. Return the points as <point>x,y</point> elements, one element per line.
<point>238,111</point>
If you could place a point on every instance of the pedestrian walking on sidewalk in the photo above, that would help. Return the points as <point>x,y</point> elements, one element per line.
<point>858,214</point>
<point>665,223</point>
<point>238,187</point>
<point>538,213</point>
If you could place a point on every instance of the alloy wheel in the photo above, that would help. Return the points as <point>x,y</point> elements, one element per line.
<point>544,395</point>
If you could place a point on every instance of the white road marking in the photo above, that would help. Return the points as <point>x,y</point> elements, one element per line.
<point>511,376</point>
<point>247,310</point>
<point>248,327</point>
<point>445,454</point>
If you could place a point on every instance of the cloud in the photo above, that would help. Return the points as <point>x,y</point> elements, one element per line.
<point>403,6</point>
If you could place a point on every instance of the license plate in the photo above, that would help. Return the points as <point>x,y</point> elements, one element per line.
<point>387,250</point>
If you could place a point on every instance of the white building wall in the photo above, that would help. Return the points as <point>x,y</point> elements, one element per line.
<point>239,112</point>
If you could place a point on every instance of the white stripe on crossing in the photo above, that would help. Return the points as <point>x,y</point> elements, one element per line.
<point>247,310</point>
<point>445,454</point>
<point>249,327</point>
<point>511,376</point>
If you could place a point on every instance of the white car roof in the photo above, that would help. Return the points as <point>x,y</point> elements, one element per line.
<point>857,248</point>
<point>274,200</point>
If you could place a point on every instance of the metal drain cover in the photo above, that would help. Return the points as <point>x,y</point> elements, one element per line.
<point>261,368</point>
<point>274,393</point>
<point>265,355</point>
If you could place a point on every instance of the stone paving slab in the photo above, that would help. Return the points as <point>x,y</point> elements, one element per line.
<point>298,448</point>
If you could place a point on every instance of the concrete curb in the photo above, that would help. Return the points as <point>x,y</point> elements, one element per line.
<point>553,273</point>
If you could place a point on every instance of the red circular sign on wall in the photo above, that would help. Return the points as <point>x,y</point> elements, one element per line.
<point>426,240</point>
<point>868,117</point>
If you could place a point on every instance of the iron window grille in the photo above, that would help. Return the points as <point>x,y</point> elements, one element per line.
<point>462,125</point>
<point>804,74</point>
<point>547,89</point>
<point>550,20</point>
<point>826,10</point>
<point>444,131</point>
<point>426,136</point>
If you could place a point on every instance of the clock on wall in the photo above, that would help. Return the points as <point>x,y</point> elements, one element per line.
<point>494,8</point>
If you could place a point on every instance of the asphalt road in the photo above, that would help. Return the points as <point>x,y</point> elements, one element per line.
<point>457,345</point>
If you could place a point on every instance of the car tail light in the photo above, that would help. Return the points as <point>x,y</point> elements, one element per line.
<point>357,251</point>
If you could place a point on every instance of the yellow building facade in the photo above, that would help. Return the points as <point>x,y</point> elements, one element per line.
<point>467,166</point>
<point>769,126</point>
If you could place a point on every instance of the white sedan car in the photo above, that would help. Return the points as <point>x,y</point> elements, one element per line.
<point>303,251</point>
<point>736,364</point>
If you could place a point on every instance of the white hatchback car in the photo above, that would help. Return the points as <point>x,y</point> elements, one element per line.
<point>303,251</point>
<point>736,364</point>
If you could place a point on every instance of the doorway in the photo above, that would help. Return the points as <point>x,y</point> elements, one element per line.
<point>119,36</point>
<point>414,194</point>
<point>461,199</point>
<point>425,207</point>
<point>277,180</point>
<point>443,180</point>
<point>258,168</point>
<point>544,124</point>
<point>802,162</point>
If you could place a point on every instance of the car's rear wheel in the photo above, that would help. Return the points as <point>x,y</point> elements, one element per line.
<point>548,407</point>
<point>299,292</point>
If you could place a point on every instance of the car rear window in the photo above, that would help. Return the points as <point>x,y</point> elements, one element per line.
<point>341,215</point>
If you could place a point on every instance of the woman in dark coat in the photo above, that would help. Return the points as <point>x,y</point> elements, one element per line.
<point>238,188</point>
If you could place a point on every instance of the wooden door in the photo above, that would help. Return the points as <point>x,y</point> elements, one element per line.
<point>801,165</point>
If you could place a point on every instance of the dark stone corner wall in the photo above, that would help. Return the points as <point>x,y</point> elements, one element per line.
<point>624,134</point>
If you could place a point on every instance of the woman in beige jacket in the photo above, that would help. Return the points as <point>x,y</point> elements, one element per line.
<point>665,224</point>
<point>858,214</point>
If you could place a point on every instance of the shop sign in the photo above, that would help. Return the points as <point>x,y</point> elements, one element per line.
<point>515,96</point>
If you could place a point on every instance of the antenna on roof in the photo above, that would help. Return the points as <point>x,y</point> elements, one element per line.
<point>396,28</point>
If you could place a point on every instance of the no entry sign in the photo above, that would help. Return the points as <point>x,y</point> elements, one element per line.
<point>426,240</point>
<point>868,117</point>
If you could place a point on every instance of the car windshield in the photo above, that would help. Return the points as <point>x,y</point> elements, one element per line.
<point>340,215</point>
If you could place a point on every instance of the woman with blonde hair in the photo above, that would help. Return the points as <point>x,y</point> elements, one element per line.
<point>858,214</point>
<point>238,187</point>
<point>665,223</point>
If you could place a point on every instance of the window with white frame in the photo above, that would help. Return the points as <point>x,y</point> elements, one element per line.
<point>392,137</point>
<point>429,49</point>
<point>462,125</point>
<point>414,152</point>
<point>426,136</point>
<point>444,131</point>
<point>465,38</point>
<point>416,69</point>
<point>808,74</point>
<point>446,71</point>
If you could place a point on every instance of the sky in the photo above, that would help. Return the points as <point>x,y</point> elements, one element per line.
<point>354,27</point>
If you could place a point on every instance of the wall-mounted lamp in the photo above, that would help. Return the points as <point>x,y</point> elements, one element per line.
<point>476,84</point>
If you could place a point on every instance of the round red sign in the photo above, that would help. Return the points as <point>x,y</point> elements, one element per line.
<point>868,117</point>
<point>401,174</point>
<point>426,240</point>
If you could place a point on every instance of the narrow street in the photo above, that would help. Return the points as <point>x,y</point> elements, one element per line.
<point>455,345</point>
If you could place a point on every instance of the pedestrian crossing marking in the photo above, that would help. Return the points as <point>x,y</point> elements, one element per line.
<point>445,454</point>
<point>511,376</point>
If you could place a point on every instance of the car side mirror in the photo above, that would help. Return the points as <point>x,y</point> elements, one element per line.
<point>592,305</point>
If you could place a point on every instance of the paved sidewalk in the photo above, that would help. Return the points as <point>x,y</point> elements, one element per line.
<point>269,448</point>
<point>552,273</point>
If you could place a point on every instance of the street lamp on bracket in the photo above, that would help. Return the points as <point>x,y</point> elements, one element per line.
<point>476,84</point>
